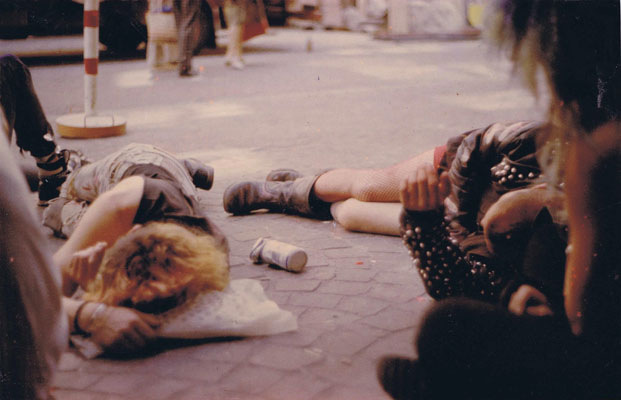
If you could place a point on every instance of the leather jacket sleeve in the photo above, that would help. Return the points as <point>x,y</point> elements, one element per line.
<point>472,170</point>
<point>446,270</point>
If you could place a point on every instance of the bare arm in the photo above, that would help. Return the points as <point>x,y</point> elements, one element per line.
<point>110,216</point>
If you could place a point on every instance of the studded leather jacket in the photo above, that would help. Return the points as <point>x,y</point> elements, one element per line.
<point>448,248</point>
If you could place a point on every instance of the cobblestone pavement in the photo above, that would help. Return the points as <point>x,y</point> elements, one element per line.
<point>350,101</point>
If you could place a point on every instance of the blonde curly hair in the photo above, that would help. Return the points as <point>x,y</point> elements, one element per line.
<point>159,261</point>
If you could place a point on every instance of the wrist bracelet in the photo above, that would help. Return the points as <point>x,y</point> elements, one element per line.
<point>76,325</point>
<point>101,307</point>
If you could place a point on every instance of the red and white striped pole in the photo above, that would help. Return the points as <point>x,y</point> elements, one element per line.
<point>89,124</point>
<point>91,55</point>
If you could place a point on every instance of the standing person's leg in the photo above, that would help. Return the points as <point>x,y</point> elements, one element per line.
<point>187,17</point>
<point>235,14</point>
<point>24,115</point>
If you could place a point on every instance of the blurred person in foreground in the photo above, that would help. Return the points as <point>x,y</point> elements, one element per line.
<point>33,327</point>
<point>472,350</point>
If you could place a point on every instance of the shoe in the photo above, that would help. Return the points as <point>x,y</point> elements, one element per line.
<point>202,174</point>
<point>49,186</point>
<point>235,63</point>
<point>291,197</point>
<point>400,377</point>
<point>187,72</point>
<point>282,175</point>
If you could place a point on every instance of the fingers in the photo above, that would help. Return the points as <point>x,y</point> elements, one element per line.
<point>422,200</point>
<point>541,310</point>
<point>151,320</point>
<point>423,190</point>
<point>519,301</point>
<point>444,186</point>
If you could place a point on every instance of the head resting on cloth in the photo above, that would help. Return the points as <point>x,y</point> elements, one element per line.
<point>157,266</point>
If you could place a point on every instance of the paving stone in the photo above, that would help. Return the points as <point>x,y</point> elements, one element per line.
<point>399,278</point>
<point>346,252</point>
<point>396,343</point>
<point>248,271</point>
<point>251,379</point>
<point>355,275</point>
<point>316,259</point>
<point>211,392</point>
<point>296,386</point>
<point>280,297</point>
<point>348,392</point>
<point>163,388</point>
<point>293,285</point>
<point>344,342</point>
<point>323,273</point>
<point>355,372</point>
<point>122,384</point>
<point>418,304</point>
<point>200,370</point>
<point>393,293</point>
<point>250,234</point>
<point>362,306</point>
<point>75,379</point>
<point>345,288</point>
<point>321,300</point>
<point>233,351</point>
<point>303,337</point>
<point>328,319</point>
<point>284,357</point>
<point>326,243</point>
<point>390,317</point>
<point>62,394</point>
<point>238,260</point>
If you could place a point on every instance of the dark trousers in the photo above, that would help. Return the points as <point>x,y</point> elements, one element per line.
<point>474,350</point>
<point>22,109</point>
<point>195,27</point>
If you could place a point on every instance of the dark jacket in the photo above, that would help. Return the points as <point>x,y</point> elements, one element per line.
<point>448,247</point>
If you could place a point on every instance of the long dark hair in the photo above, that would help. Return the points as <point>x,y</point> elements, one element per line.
<point>576,43</point>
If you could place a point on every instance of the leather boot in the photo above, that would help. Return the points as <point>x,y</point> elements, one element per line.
<point>202,174</point>
<point>290,197</point>
<point>282,175</point>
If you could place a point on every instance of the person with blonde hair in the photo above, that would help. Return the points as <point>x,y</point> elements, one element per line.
<point>141,247</point>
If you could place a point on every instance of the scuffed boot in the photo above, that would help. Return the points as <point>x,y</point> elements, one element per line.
<point>54,171</point>
<point>290,197</point>
<point>282,175</point>
<point>202,174</point>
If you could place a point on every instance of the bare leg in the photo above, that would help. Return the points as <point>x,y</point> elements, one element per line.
<point>368,185</point>
<point>235,13</point>
<point>361,216</point>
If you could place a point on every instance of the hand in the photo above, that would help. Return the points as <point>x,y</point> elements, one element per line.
<point>423,190</point>
<point>85,263</point>
<point>121,329</point>
<point>517,208</point>
<point>531,301</point>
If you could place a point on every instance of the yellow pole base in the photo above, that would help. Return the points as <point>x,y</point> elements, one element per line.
<point>92,126</point>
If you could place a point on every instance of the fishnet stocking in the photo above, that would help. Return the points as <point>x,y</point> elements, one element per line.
<point>368,185</point>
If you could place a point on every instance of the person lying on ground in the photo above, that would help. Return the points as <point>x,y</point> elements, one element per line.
<point>21,112</point>
<point>479,250</point>
<point>367,200</point>
<point>142,246</point>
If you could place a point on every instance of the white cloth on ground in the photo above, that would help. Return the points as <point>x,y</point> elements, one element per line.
<point>242,309</point>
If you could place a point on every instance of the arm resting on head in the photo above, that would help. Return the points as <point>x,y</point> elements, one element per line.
<point>109,217</point>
